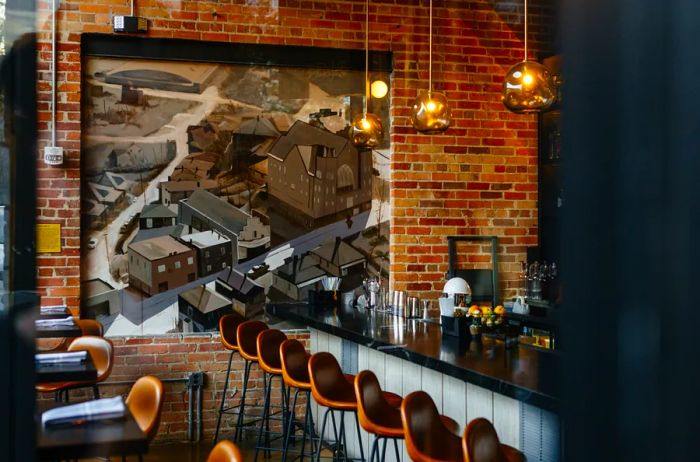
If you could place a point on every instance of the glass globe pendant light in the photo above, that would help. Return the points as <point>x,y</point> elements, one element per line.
<point>367,129</point>
<point>431,113</point>
<point>528,86</point>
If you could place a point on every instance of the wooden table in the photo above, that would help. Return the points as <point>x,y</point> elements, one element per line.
<point>59,331</point>
<point>94,439</point>
<point>66,372</point>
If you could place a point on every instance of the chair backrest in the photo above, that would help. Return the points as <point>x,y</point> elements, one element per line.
<point>427,438</point>
<point>327,378</point>
<point>225,451</point>
<point>480,442</point>
<point>295,363</point>
<point>228,325</point>
<point>101,351</point>
<point>145,401</point>
<point>269,342</point>
<point>372,408</point>
<point>90,327</point>
<point>247,338</point>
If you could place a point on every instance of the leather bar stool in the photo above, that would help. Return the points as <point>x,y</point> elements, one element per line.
<point>145,402</point>
<point>380,414</point>
<point>333,390</point>
<point>228,324</point>
<point>101,351</point>
<point>268,343</point>
<point>246,337</point>
<point>295,372</point>
<point>225,451</point>
<point>427,437</point>
<point>480,444</point>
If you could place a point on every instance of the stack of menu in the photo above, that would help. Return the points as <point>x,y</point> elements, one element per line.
<point>60,358</point>
<point>89,411</point>
<point>62,322</point>
<point>52,309</point>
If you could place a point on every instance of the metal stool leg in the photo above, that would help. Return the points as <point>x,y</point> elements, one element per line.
<point>241,409</point>
<point>323,429</point>
<point>223,398</point>
<point>396,449</point>
<point>290,428</point>
<point>264,423</point>
<point>359,438</point>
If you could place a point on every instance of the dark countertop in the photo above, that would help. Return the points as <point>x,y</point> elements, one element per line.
<point>525,373</point>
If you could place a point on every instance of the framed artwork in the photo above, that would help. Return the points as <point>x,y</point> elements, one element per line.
<point>217,186</point>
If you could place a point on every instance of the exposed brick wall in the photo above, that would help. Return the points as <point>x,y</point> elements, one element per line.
<point>175,357</point>
<point>478,178</point>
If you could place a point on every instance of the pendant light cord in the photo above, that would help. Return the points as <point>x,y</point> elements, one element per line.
<point>525,30</point>
<point>430,50</point>
<point>366,57</point>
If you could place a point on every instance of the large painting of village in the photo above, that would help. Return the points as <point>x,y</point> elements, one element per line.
<point>215,188</point>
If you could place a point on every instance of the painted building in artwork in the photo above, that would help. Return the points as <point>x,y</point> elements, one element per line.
<point>295,279</point>
<point>200,309</point>
<point>247,295</point>
<point>159,264</point>
<point>319,173</point>
<point>214,251</point>
<point>156,216</point>
<point>203,211</point>
<point>172,192</point>
<point>338,258</point>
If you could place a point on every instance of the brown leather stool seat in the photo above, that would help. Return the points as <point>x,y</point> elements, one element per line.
<point>295,372</point>
<point>225,451</point>
<point>246,339</point>
<point>380,414</point>
<point>332,389</point>
<point>145,402</point>
<point>427,437</point>
<point>480,444</point>
<point>268,345</point>
<point>101,351</point>
<point>228,325</point>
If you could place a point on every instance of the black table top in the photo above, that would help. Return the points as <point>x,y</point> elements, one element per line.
<point>66,372</point>
<point>58,331</point>
<point>528,374</point>
<point>94,439</point>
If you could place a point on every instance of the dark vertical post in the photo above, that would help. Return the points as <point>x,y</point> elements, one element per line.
<point>630,239</point>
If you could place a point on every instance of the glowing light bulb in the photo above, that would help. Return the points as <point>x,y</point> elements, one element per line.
<point>379,89</point>
<point>431,106</point>
<point>527,79</point>
<point>365,124</point>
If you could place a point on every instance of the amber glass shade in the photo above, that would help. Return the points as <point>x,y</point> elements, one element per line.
<point>367,130</point>
<point>431,113</point>
<point>528,87</point>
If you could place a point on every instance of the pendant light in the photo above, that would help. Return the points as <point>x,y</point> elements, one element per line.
<point>528,86</point>
<point>431,113</point>
<point>367,130</point>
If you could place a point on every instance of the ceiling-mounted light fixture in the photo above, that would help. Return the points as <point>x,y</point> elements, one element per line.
<point>431,113</point>
<point>367,130</point>
<point>379,89</point>
<point>528,86</point>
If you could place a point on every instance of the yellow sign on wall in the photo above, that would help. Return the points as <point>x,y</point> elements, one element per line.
<point>48,237</point>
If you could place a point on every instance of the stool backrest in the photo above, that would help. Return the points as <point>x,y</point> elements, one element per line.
<point>225,451</point>
<point>268,344</point>
<point>247,338</point>
<point>90,327</point>
<point>480,442</point>
<point>101,351</point>
<point>372,408</point>
<point>228,324</point>
<point>295,363</point>
<point>145,401</point>
<point>427,438</point>
<point>327,377</point>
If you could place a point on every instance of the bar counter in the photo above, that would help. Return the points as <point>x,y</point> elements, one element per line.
<point>516,388</point>
<point>525,373</point>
